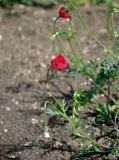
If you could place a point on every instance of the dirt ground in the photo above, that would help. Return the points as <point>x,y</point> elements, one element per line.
<point>25,52</point>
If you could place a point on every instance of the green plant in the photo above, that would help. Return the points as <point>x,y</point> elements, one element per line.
<point>103,110</point>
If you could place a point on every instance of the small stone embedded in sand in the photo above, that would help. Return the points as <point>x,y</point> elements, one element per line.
<point>29,71</point>
<point>43,65</point>
<point>5,130</point>
<point>85,83</point>
<point>16,102</point>
<point>21,6</point>
<point>1,122</point>
<point>35,105</point>
<point>1,37</point>
<point>12,157</point>
<point>81,144</point>
<point>57,145</point>
<point>38,52</point>
<point>98,59</point>
<point>8,109</point>
<point>34,121</point>
<point>19,28</point>
<point>46,134</point>
<point>102,95</point>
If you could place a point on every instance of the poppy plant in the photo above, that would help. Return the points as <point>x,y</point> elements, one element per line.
<point>59,63</point>
<point>64,13</point>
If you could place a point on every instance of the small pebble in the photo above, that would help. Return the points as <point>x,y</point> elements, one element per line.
<point>5,130</point>
<point>1,122</point>
<point>81,144</point>
<point>12,157</point>
<point>43,65</point>
<point>102,95</point>
<point>85,83</point>
<point>46,134</point>
<point>1,37</point>
<point>8,109</point>
<point>19,28</point>
<point>35,105</point>
<point>98,59</point>
<point>34,121</point>
<point>16,102</point>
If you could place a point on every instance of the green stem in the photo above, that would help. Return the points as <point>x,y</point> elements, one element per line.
<point>90,33</point>
<point>108,28</point>
<point>53,106</point>
<point>55,33</point>
<point>72,48</point>
<point>104,92</point>
<point>76,38</point>
<point>50,88</point>
<point>45,113</point>
<point>112,23</point>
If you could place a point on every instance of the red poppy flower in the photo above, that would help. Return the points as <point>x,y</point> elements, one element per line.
<point>64,13</point>
<point>59,63</point>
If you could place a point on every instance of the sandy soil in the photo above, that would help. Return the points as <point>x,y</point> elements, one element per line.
<point>25,52</point>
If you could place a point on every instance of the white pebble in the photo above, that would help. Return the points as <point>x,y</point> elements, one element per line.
<point>16,102</point>
<point>8,109</point>
<point>19,28</point>
<point>37,52</point>
<point>29,71</point>
<point>98,59</point>
<point>1,37</point>
<point>85,83</point>
<point>1,122</point>
<point>46,134</point>
<point>5,130</point>
<point>102,95</point>
<point>43,65</point>
<point>90,80</point>
<point>12,157</point>
<point>34,121</point>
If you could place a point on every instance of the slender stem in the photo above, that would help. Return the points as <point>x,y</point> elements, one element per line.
<point>72,48</point>
<point>71,25</point>
<point>90,33</point>
<point>55,33</point>
<point>76,38</point>
<point>112,23</point>
<point>45,113</point>
<point>104,92</point>
<point>108,28</point>
<point>53,106</point>
<point>50,88</point>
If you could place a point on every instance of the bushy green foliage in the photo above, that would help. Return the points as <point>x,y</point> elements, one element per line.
<point>97,104</point>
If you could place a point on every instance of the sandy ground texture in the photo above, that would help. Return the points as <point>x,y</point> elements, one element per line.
<point>25,52</point>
